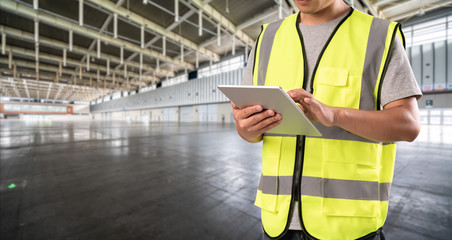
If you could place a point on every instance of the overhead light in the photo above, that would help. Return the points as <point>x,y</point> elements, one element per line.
<point>200,22</point>
<point>227,7</point>
<point>115,25</point>
<point>421,12</point>
<point>176,10</point>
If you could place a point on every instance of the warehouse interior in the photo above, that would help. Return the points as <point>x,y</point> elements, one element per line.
<point>112,126</point>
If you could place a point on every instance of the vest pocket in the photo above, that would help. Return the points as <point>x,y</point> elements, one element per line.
<point>267,197</point>
<point>350,175</point>
<point>350,208</point>
<point>335,87</point>
<point>267,202</point>
<point>271,150</point>
<point>353,156</point>
<point>278,159</point>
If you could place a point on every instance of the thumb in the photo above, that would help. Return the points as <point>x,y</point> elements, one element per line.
<point>234,106</point>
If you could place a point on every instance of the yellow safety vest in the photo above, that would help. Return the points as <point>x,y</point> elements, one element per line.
<point>343,188</point>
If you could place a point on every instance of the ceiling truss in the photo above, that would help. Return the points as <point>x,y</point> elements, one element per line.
<point>95,58</point>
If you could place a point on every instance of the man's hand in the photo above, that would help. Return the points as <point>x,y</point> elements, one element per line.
<point>314,110</point>
<point>399,121</point>
<point>252,121</point>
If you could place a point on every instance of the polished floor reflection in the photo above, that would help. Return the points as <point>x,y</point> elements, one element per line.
<point>118,180</point>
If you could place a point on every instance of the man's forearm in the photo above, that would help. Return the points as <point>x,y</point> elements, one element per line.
<point>399,121</point>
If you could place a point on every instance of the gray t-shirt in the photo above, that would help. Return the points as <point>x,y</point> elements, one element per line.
<point>399,81</point>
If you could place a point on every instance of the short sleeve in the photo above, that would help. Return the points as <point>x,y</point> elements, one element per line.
<point>399,81</point>
<point>248,74</point>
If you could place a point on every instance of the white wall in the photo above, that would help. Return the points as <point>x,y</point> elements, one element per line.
<point>171,114</point>
<point>224,113</point>
<point>221,113</point>
<point>186,114</point>
<point>207,113</point>
<point>80,112</point>
<point>80,108</point>
<point>432,67</point>
<point>86,117</point>
<point>55,117</point>
<point>119,116</point>
<point>434,116</point>
<point>194,92</point>
<point>440,100</point>
<point>133,116</point>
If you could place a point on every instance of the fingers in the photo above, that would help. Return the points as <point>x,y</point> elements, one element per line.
<point>306,103</point>
<point>251,129</point>
<point>246,112</point>
<point>298,94</point>
<point>258,120</point>
<point>309,106</point>
<point>266,124</point>
<point>240,113</point>
<point>305,99</point>
<point>252,121</point>
<point>302,108</point>
<point>302,97</point>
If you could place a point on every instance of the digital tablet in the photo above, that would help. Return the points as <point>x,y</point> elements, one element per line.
<point>294,121</point>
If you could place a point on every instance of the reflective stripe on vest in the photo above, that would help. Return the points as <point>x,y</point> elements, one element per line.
<point>329,188</point>
<point>344,175</point>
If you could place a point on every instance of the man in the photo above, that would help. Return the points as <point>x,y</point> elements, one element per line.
<point>350,75</point>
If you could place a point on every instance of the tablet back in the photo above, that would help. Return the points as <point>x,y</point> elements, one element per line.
<point>294,121</point>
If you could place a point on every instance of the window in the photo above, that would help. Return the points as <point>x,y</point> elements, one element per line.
<point>148,88</point>
<point>106,98</point>
<point>175,80</point>
<point>80,103</point>
<point>427,48</point>
<point>428,32</point>
<point>116,95</point>
<point>34,108</point>
<point>223,66</point>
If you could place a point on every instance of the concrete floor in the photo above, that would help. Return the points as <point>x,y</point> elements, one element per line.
<point>117,180</point>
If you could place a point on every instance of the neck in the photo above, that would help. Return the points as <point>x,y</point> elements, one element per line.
<point>333,11</point>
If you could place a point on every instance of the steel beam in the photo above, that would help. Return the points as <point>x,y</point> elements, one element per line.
<point>30,86</point>
<point>54,59</point>
<point>374,11</point>
<point>426,9</point>
<point>226,24</point>
<point>25,11</point>
<point>139,20</point>
<point>380,3</point>
<point>266,14</point>
<point>48,68</point>
<point>57,44</point>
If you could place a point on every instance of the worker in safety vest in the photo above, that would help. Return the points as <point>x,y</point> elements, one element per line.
<point>351,76</point>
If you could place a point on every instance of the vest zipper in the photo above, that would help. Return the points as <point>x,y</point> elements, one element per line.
<point>299,156</point>
<point>324,48</point>
<point>295,184</point>
<point>303,138</point>
<point>300,159</point>
<point>295,188</point>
